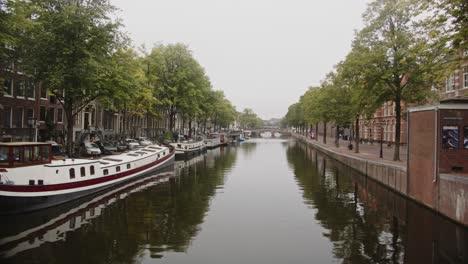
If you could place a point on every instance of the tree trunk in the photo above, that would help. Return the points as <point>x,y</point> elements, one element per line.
<point>337,137</point>
<point>324,132</point>
<point>396,154</point>
<point>356,136</point>
<point>316,131</point>
<point>69,115</point>
<point>190,128</point>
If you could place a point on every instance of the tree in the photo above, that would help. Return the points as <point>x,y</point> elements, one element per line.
<point>71,44</point>
<point>364,89</point>
<point>177,79</point>
<point>248,119</point>
<point>404,60</point>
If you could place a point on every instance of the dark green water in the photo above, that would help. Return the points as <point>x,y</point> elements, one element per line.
<point>264,201</point>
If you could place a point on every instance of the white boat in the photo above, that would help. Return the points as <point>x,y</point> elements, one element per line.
<point>31,180</point>
<point>188,147</point>
<point>215,140</point>
<point>55,224</point>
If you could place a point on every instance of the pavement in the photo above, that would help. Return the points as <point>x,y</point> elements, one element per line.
<point>366,150</point>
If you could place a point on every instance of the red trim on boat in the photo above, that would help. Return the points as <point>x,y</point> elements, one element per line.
<point>72,185</point>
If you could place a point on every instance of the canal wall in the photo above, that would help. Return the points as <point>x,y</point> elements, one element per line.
<point>390,175</point>
<point>450,197</point>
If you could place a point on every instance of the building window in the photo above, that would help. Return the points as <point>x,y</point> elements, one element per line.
<point>43,93</point>
<point>465,77</point>
<point>21,88</point>
<point>8,87</point>
<point>42,113</point>
<point>450,83</point>
<point>51,114</point>
<point>465,137</point>
<point>117,169</point>
<point>31,89</point>
<point>83,171</point>
<point>59,115</point>
<point>18,118</point>
<point>29,114</point>
<point>72,173</point>
<point>52,99</point>
<point>105,172</point>
<point>6,117</point>
<point>91,170</point>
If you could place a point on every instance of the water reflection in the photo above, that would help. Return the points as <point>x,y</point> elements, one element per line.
<point>367,222</point>
<point>262,201</point>
<point>143,218</point>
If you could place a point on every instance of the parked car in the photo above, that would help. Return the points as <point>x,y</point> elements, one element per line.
<point>131,143</point>
<point>90,149</point>
<point>120,145</point>
<point>143,141</point>
<point>106,148</point>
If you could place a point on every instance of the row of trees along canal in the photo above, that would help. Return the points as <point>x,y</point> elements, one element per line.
<point>79,54</point>
<point>405,48</point>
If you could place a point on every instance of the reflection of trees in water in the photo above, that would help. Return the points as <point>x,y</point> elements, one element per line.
<point>159,219</point>
<point>369,223</point>
<point>359,235</point>
<point>248,147</point>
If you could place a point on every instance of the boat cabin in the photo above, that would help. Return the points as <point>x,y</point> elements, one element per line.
<point>19,154</point>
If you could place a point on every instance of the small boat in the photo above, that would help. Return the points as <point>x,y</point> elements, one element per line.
<point>214,140</point>
<point>31,180</point>
<point>241,139</point>
<point>186,148</point>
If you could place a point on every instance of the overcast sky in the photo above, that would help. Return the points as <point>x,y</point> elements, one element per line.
<point>262,53</point>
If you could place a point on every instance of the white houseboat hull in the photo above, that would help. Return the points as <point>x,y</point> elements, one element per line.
<point>17,198</point>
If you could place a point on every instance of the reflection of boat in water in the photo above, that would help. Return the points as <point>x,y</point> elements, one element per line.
<point>60,220</point>
<point>31,180</point>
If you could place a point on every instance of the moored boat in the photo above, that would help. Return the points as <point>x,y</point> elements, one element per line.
<point>187,148</point>
<point>30,180</point>
<point>34,229</point>
<point>214,140</point>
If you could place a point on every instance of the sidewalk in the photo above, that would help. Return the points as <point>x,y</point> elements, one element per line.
<point>366,151</point>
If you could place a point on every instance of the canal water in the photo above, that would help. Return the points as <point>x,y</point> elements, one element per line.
<point>263,201</point>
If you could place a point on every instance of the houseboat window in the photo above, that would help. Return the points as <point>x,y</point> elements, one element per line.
<point>450,137</point>
<point>3,154</point>
<point>35,152</point>
<point>128,166</point>
<point>83,171</point>
<point>91,170</point>
<point>106,172</point>
<point>27,154</point>
<point>72,173</point>
<point>117,169</point>
<point>45,153</point>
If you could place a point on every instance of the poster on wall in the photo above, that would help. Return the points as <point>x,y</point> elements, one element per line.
<point>465,137</point>
<point>450,137</point>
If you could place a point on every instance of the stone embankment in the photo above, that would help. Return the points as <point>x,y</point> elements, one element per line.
<point>389,173</point>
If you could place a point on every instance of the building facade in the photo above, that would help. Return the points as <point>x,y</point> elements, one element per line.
<point>28,112</point>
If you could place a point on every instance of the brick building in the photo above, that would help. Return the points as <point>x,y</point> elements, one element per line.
<point>28,111</point>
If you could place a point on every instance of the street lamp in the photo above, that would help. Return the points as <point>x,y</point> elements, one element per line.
<point>381,138</point>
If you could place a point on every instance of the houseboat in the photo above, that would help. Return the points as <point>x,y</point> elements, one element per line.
<point>215,140</point>
<point>55,224</point>
<point>187,148</point>
<point>31,180</point>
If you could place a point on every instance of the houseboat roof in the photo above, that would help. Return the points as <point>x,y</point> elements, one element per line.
<point>17,144</point>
